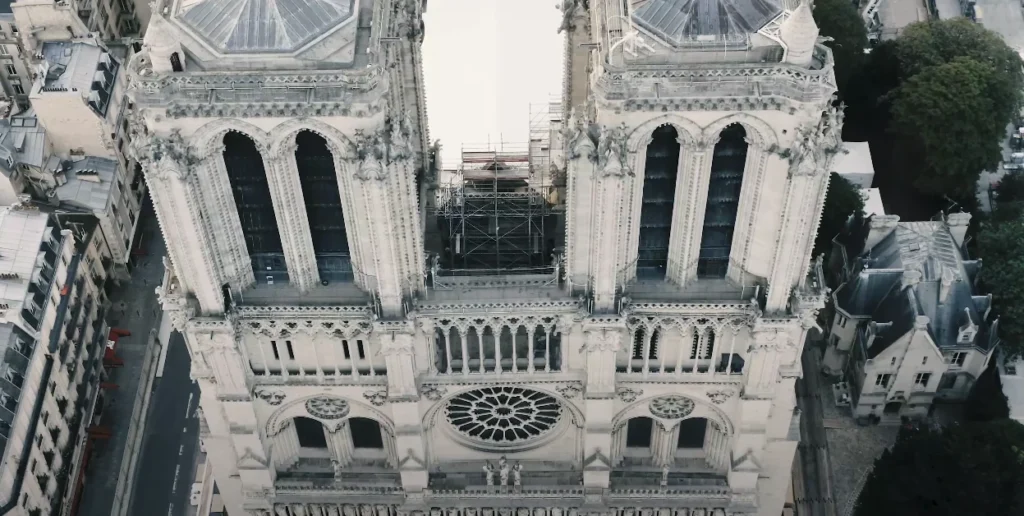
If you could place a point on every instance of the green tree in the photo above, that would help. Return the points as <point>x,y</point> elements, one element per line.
<point>912,94</point>
<point>839,20</point>
<point>986,402</point>
<point>843,200</point>
<point>1001,245</point>
<point>977,468</point>
<point>944,115</point>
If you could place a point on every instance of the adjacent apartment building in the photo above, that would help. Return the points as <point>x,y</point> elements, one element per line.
<point>370,340</point>
<point>53,290</point>
<point>909,325</point>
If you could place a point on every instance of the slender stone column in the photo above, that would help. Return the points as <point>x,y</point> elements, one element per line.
<point>804,195</point>
<point>608,208</point>
<point>395,341</point>
<point>602,342</point>
<point>694,157</point>
<point>749,204</point>
<point>226,226</point>
<point>663,444</point>
<point>698,178</point>
<point>188,243</point>
<point>376,201</point>
<point>390,449</point>
<point>581,215</point>
<point>340,443</point>
<point>292,221</point>
<point>285,451</point>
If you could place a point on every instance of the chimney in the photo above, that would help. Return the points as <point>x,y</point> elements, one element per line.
<point>911,277</point>
<point>880,227</point>
<point>948,278</point>
<point>957,224</point>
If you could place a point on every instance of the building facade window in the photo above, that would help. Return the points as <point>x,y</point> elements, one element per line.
<point>882,380</point>
<point>958,358</point>
<point>248,179</point>
<point>322,195</point>
<point>727,166</point>
<point>922,379</point>
<point>660,174</point>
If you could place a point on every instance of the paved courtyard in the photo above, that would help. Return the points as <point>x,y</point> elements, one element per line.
<point>852,448</point>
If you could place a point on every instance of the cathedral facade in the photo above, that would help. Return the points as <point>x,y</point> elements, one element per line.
<point>369,341</point>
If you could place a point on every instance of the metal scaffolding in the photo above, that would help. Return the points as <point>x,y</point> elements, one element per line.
<point>498,211</point>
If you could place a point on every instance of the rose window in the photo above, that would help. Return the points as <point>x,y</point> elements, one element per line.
<point>503,415</point>
<point>671,407</point>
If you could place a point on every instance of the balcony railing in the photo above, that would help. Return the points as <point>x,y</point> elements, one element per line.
<point>515,347</point>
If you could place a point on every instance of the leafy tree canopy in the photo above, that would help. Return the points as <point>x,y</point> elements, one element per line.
<point>839,20</point>
<point>986,402</point>
<point>843,200</point>
<point>945,113</point>
<point>1001,244</point>
<point>977,468</point>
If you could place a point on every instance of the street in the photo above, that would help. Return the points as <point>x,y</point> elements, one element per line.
<point>1005,17</point>
<point>167,465</point>
<point>134,308</point>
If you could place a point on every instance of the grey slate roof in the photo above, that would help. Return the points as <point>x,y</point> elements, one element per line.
<point>264,26</point>
<point>23,140</point>
<point>681,21</point>
<point>85,189</point>
<point>944,294</point>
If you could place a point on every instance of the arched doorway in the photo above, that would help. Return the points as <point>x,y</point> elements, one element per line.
<point>727,167</point>
<point>322,195</point>
<point>249,187</point>
<point>660,174</point>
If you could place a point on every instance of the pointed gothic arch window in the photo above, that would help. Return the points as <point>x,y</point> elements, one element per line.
<point>322,195</point>
<point>176,63</point>
<point>248,179</point>
<point>660,174</point>
<point>727,164</point>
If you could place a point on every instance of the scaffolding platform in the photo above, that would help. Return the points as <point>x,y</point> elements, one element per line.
<point>497,212</point>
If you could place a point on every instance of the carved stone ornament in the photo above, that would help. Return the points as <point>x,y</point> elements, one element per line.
<point>570,8</point>
<point>628,395</point>
<point>612,152</point>
<point>719,397</point>
<point>377,398</point>
<point>815,144</point>
<point>390,143</point>
<point>273,397</point>
<point>433,392</point>
<point>324,407</point>
<point>571,390</point>
<point>173,147</point>
<point>604,340</point>
<point>578,138</point>
<point>671,407</point>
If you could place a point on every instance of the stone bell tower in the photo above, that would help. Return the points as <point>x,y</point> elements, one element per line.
<point>697,161</point>
<point>282,141</point>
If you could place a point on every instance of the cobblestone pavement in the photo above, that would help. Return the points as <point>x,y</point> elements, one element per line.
<point>852,448</point>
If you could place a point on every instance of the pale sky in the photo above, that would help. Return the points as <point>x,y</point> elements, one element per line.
<point>485,62</point>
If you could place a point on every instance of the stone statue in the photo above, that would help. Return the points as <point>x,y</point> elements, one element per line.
<point>517,475</point>
<point>613,145</point>
<point>281,510</point>
<point>348,510</point>
<point>664,476</point>
<point>337,468</point>
<point>503,470</point>
<point>569,9</point>
<point>332,510</point>
<point>489,473</point>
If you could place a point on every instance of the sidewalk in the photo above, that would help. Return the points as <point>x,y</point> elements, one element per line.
<point>135,308</point>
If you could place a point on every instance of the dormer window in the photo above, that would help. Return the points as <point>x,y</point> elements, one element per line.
<point>966,337</point>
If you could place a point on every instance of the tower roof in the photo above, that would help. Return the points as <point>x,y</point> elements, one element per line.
<point>799,29</point>
<point>681,21</point>
<point>263,26</point>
